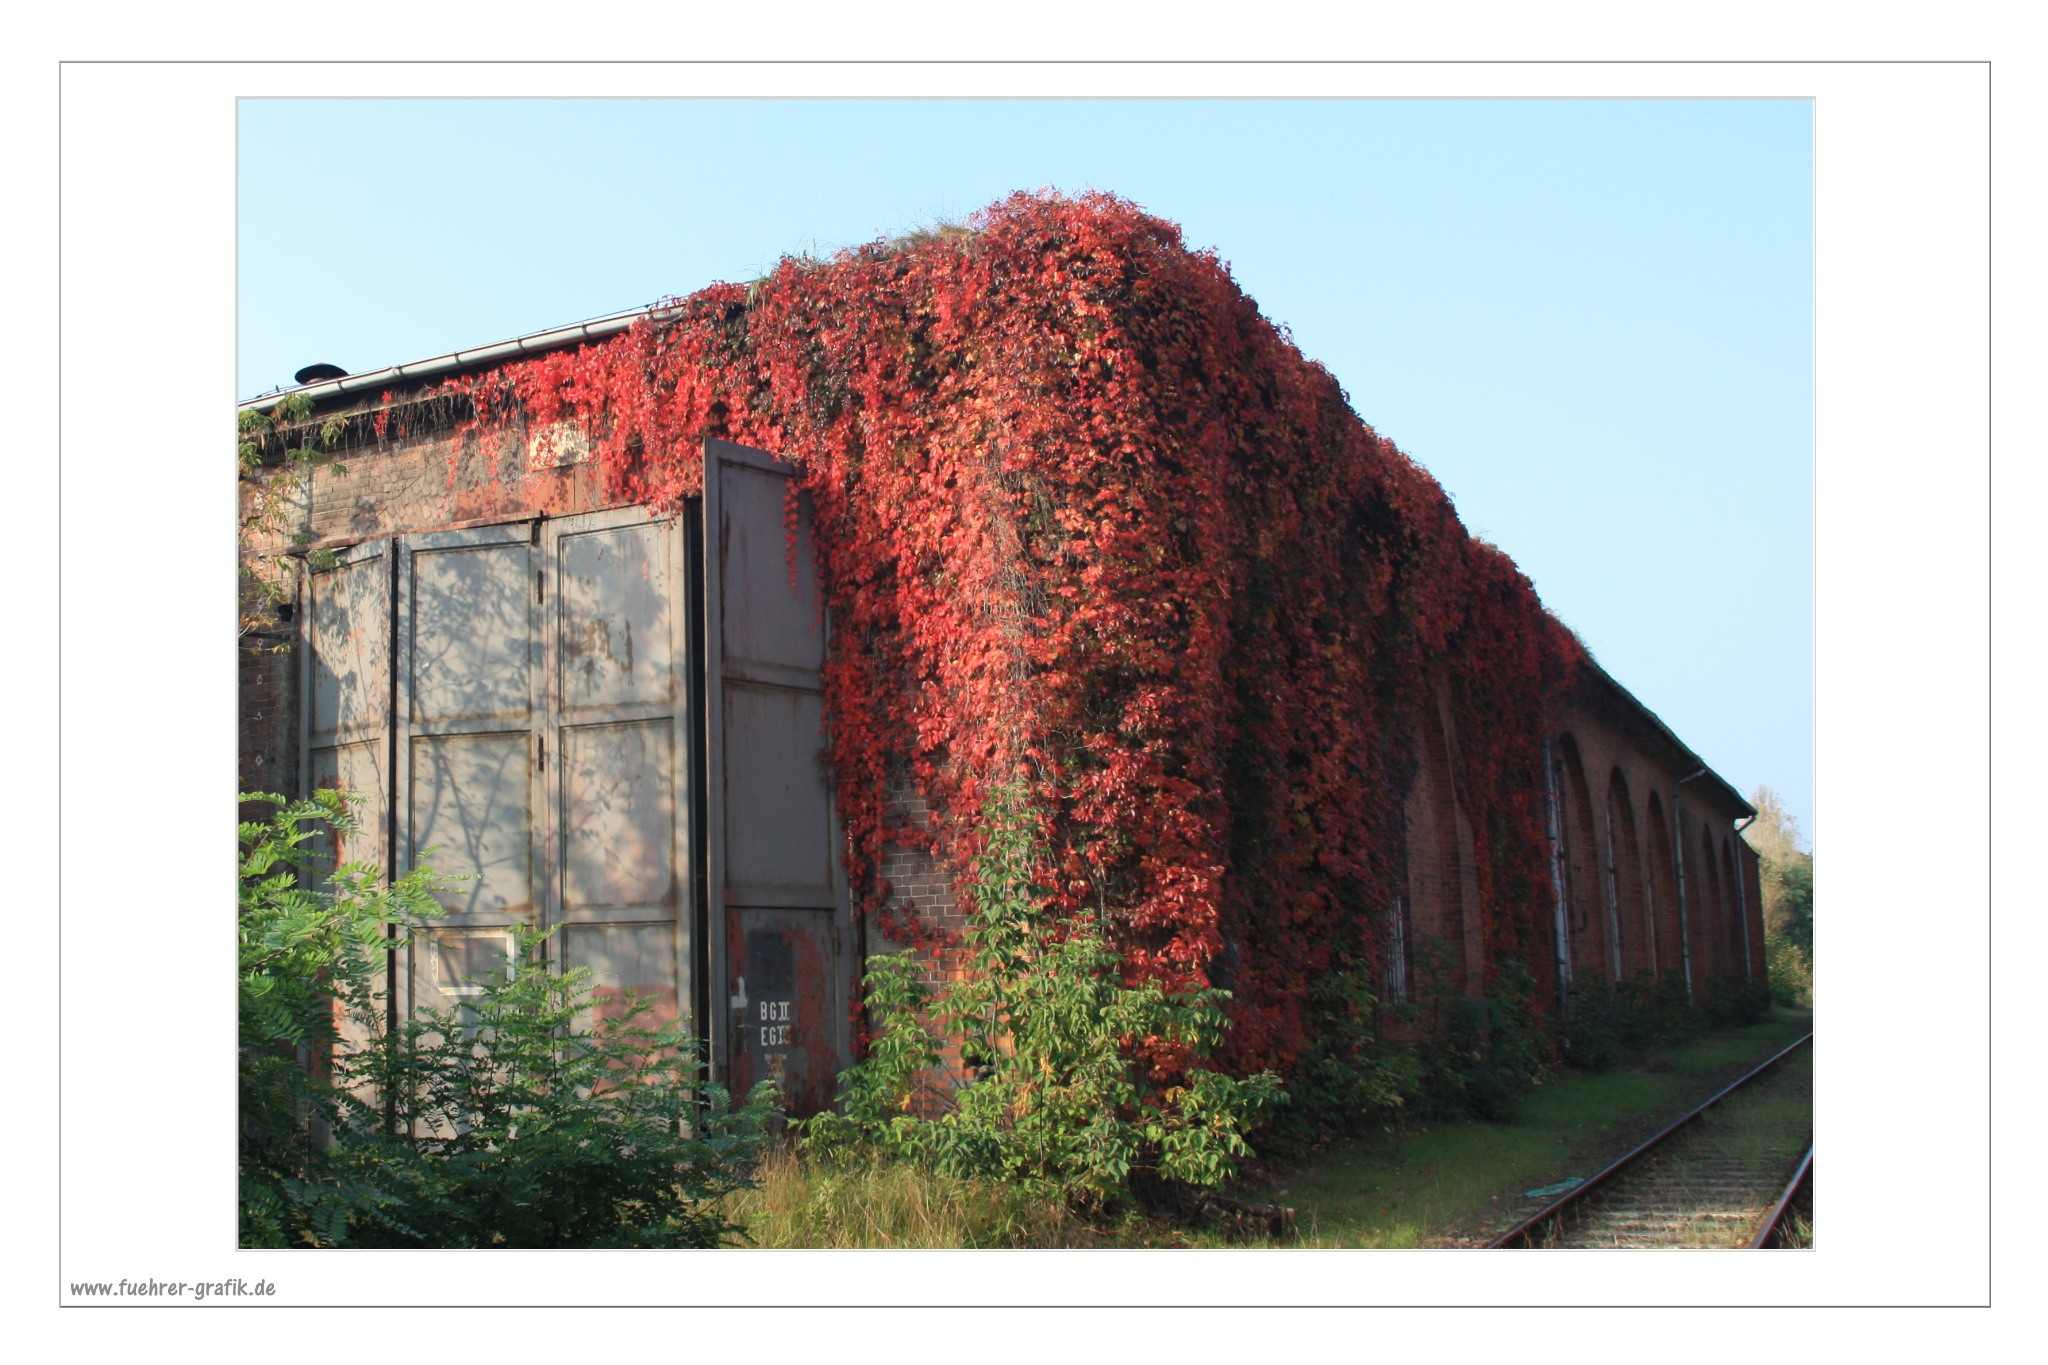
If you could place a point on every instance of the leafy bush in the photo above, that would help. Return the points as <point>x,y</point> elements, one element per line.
<point>312,944</point>
<point>1605,1021</point>
<point>1733,1000</point>
<point>1593,1025</point>
<point>1489,1053</point>
<point>1054,1103</point>
<point>1789,971</point>
<point>517,1122</point>
<point>1349,1077</point>
<point>532,1119</point>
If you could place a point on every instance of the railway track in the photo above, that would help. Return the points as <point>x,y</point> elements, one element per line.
<point>1732,1172</point>
<point>1790,1221</point>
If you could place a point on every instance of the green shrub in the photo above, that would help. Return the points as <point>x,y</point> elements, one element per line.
<point>1595,1020</point>
<point>1488,1054</point>
<point>1054,1102</point>
<point>1349,1077</point>
<point>511,1125</point>
<point>1729,1001</point>
<point>1607,1022</point>
<point>1789,971</point>
<point>312,943</point>
<point>530,1119</point>
<point>1663,1014</point>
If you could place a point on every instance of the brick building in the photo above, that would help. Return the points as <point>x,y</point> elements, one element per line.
<point>584,709</point>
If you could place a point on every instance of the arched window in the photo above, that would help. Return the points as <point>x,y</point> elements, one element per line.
<point>1443,910</point>
<point>1584,876</point>
<point>1629,915</point>
<point>1396,931</point>
<point>1731,891</point>
<point>1708,917</point>
<point>1661,894</point>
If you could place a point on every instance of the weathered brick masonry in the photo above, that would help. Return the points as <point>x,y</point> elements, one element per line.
<point>1655,879</point>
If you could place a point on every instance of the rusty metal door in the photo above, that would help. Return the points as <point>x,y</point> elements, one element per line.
<point>517,703</point>
<point>777,906</point>
<point>345,689</point>
<point>345,708</point>
<point>469,751</point>
<point>543,753</point>
<point>619,758</point>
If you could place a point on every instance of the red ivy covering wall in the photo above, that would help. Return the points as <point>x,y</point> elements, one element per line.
<point>1086,515</point>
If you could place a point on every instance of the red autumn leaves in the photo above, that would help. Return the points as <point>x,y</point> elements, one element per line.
<point>1084,515</point>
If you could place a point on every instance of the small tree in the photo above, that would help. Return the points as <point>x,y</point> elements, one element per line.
<point>1055,1101</point>
<point>313,939</point>
<point>1785,872</point>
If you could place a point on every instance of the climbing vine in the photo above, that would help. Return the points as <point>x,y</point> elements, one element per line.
<point>1083,513</point>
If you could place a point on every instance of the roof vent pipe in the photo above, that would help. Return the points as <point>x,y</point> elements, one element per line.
<point>318,373</point>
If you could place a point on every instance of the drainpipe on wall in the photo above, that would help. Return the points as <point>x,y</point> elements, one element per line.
<point>1563,934</point>
<point>1678,838</point>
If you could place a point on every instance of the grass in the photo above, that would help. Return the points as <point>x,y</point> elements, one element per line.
<point>1450,1182</point>
<point>887,1204</point>
<point>1415,1186</point>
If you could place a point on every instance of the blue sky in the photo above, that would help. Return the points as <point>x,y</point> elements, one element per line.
<point>1591,320</point>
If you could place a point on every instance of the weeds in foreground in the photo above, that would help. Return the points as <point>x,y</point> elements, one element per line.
<point>1054,1100</point>
<point>883,1203</point>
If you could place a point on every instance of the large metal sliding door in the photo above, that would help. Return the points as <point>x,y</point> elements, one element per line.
<point>778,915</point>
<point>544,752</point>
<point>514,704</point>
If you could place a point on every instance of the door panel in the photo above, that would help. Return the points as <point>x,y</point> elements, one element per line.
<point>778,911</point>
<point>345,696</point>
<point>470,799</point>
<point>772,623</point>
<point>786,1007</point>
<point>346,661</point>
<point>469,658</point>
<point>619,636</point>
<point>630,960</point>
<point>471,637</point>
<point>620,721</point>
<point>778,808</point>
<point>619,819</point>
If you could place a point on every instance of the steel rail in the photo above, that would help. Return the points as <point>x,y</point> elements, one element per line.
<point>1522,1234</point>
<point>1767,1230</point>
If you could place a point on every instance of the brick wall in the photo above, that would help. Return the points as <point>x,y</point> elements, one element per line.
<point>441,482</point>
<point>1617,780</point>
<point>267,722</point>
<point>438,481</point>
<point>920,889</point>
<point>1443,885</point>
<point>1753,905</point>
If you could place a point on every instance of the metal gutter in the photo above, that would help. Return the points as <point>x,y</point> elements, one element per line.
<point>533,343</point>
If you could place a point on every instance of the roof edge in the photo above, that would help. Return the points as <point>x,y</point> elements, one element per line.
<point>533,343</point>
<point>1656,722</point>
